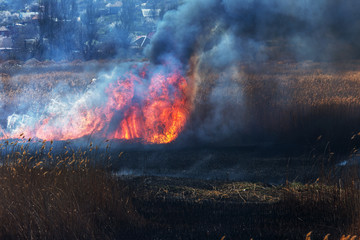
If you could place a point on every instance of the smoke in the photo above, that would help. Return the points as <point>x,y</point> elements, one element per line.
<point>209,40</point>
<point>200,26</point>
<point>212,38</point>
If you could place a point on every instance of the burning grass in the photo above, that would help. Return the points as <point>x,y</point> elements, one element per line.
<point>133,101</point>
<point>280,102</point>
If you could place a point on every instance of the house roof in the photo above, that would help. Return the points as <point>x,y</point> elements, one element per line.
<point>150,12</point>
<point>116,4</point>
<point>4,29</point>
<point>5,43</point>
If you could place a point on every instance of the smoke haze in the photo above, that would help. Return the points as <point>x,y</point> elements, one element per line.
<point>213,38</point>
<point>319,30</point>
<point>216,42</point>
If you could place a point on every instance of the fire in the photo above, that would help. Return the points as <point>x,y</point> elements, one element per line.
<point>145,105</point>
<point>160,115</point>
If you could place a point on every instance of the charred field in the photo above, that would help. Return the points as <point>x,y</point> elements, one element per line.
<point>274,176</point>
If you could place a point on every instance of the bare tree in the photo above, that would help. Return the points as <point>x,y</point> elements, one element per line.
<point>125,24</point>
<point>47,25</point>
<point>68,35</point>
<point>90,30</point>
<point>117,40</point>
<point>58,25</point>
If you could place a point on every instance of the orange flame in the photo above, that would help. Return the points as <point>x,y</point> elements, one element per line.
<point>162,113</point>
<point>139,106</point>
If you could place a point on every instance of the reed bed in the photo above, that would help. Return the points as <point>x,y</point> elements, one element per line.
<point>46,195</point>
<point>67,194</point>
<point>285,102</point>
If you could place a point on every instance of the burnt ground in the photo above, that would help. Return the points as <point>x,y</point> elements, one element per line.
<point>207,193</point>
<point>236,193</point>
<point>180,208</point>
<point>271,164</point>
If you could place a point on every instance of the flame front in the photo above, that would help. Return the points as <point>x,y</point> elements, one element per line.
<point>140,105</point>
<point>158,117</point>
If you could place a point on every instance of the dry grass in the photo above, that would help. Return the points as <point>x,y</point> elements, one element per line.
<point>343,237</point>
<point>199,191</point>
<point>34,88</point>
<point>282,102</point>
<point>261,211</point>
<point>70,199</point>
<point>334,204</point>
<point>286,102</point>
<point>64,195</point>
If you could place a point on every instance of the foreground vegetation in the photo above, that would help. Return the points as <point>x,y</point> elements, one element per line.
<point>71,200</point>
<point>190,209</point>
<point>69,195</point>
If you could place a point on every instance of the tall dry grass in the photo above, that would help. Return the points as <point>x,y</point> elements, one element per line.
<point>327,236</point>
<point>330,205</point>
<point>285,102</point>
<point>70,199</point>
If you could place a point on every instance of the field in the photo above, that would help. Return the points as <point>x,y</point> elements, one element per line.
<point>277,102</point>
<point>288,103</point>
<point>76,199</point>
<point>292,124</point>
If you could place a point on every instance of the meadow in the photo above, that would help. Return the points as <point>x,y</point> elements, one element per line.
<point>51,190</point>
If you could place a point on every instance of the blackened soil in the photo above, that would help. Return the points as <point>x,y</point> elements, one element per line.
<point>175,208</point>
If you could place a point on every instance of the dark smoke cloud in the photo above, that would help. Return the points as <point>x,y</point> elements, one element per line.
<point>324,28</point>
<point>223,33</point>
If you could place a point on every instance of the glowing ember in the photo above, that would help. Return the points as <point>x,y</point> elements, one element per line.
<point>141,105</point>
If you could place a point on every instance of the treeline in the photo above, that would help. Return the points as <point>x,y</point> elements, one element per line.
<point>72,29</point>
<point>65,32</point>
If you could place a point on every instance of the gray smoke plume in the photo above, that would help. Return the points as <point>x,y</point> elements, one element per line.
<point>212,37</point>
<point>320,30</point>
